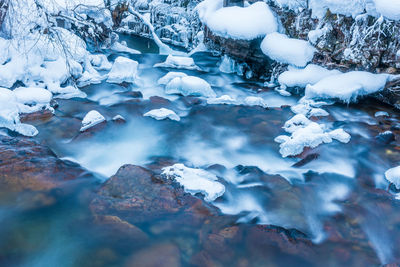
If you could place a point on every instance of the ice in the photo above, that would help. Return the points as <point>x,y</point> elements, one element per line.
<point>393,176</point>
<point>91,119</point>
<point>381,114</point>
<point>287,50</point>
<point>310,108</point>
<point>162,114</point>
<point>190,85</point>
<point>170,76</point>
<point>123,70</point>
<point>196,181</point>
<point>347,86</point>
<point>305,133</point>
<point>228,65</point>
<point>178,62</point>
<point>256,20</point>
<point>295,77</point>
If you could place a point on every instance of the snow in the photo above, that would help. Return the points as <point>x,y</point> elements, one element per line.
<point>347,86</point>
<point>393,176</point>
<point>170,76</point>
<point>196,181</point>
<point>207,8</point>
<point>254,101</point>
<point>287,50</point>
<point>246,23</point>
<point>190,86</point>
<point>100,62</point>
<point>123,70</point>
<point>299,77</point>
<point>222,100</point>
<point>388,8</point>
<point>381,114</point>
<point>178,62</point>
<point>91,119</point>
<point>162,114</point>
<point>32,96</point>
<point>305,133</point>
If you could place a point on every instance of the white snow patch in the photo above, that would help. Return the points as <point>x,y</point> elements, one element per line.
<point>305,133</point>
<point>347,86</point>
<point>393,176</point>
<point>162,114</point>
<point>190,85</point>
<point>196,181</point>
<point>381,114</point>
<point>178,62</point>
<point>388,8</point>
<point>295,77</point>
<point>170,76</point>
<point>287,50</point>
<point>91,119</point>
<point>123,70</point>
<point>222,100</point>
<point>256,20</point>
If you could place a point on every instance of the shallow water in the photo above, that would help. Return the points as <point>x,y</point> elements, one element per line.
<point>336,200</point>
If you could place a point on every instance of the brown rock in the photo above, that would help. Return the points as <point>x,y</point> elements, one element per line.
<point>28,165</point>
<point>42,115</point>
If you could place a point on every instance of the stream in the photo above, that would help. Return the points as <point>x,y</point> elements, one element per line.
<point>330,206</point>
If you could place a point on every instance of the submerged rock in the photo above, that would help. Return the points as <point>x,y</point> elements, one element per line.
<point>28,165</point>
<point>136,195</point>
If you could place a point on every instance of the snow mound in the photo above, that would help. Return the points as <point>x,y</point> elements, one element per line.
<point>305,133</point>
<point>196,181</point>
<point>33,96</point>
<point>91,119</point>
<point>393,176</point>
<point>247,23</point>
<point>170,76</point>
<point>162,114</point>
<point>118,47</point>
<point>190,85</point>
<point>100,62</point>
<point>347,86</point>
<point>178,62</point>
<point>254,101</point>
<point>287,50</point>
<point>123,70</point>
<point>295,77</point>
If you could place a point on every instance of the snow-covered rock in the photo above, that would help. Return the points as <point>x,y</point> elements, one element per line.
<point>287,50</point>
<point>222,100</point>
<point>118,47</point>
<point>347,86</point>
<point>305,133</point>
<point>170,76</point>
<point>123,70</point>
<point>32,96</point>
<point>190,85</point>
<point>393,176</point>
<point>178,62</point>
<point>91,119</point>
<point>162,114</point>
<point>100,62</point>
<point>381,114</point>
<point>256,20</point>
<point>295,77</point>
<point>196,181</point>
<point>254,101</point>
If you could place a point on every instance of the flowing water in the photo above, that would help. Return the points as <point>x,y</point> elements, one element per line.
<point>335,197</point>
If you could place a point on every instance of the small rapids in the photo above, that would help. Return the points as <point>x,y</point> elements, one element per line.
<point>329,195</point>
